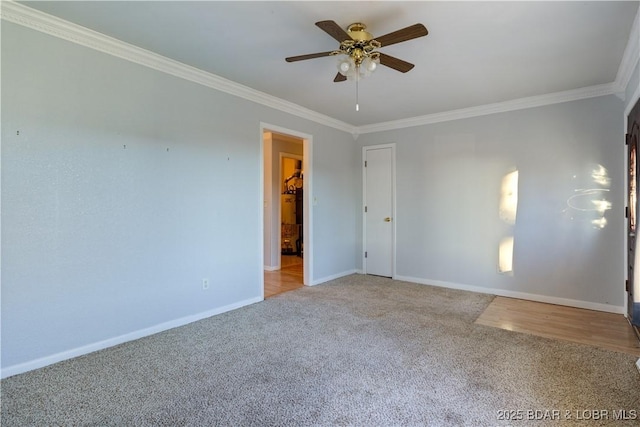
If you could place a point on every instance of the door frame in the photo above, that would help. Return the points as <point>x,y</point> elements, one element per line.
<point>633,100</point>
<point>307,227</point>
<point>392,146</point>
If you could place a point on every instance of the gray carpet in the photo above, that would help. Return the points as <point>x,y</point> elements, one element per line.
<point>360,350</point>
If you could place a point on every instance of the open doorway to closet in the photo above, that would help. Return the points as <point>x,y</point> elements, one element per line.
<point>284,216</point>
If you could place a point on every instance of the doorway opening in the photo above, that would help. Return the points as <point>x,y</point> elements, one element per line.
<point>287,239</point>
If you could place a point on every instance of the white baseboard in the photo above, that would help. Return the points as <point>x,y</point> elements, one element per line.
<point>359,271</point>
<point>520,295</point>
<point>271,268</point>
<point>100,345</point>
<point>333,277</point>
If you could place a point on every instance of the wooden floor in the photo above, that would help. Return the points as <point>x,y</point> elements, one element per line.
<point>288,278</point>
<point>604,330</point>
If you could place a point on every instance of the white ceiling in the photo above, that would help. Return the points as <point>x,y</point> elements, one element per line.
<point>476,53</point>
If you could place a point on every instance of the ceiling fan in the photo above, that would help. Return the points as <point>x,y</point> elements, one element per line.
<point>359,49</point>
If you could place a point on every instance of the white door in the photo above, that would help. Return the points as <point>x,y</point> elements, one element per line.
<point>379,209</point>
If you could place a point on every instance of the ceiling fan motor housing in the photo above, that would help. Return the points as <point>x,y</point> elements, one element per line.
<point>358,33</point>
<point>360,46</point>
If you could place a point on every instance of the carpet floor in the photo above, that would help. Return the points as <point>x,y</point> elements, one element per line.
<point>360,350</point>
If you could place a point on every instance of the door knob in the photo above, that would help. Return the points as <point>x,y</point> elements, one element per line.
<point>387,219</point>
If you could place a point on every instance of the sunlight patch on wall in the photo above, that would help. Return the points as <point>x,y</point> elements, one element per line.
<point>505,255</point>
<point>509,198</point>
<point>507,212</point>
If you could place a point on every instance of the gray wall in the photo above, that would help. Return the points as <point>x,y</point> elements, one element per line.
<point>100,240</point>
<point>448,192</point>
<point>632,86</point>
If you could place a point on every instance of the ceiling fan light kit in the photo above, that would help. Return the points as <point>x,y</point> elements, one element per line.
<point>349,68</point>
<point>357,54</point>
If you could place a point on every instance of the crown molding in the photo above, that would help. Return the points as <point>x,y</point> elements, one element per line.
<point>499,107</point>
<point>23,15</point>
<point>45,23</point>
<point>630,57</point>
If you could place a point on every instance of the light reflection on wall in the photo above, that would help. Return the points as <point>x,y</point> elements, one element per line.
<point>509,198</point>
<point>507,211</point>
<point>505,255</point>
<point>590,205</point>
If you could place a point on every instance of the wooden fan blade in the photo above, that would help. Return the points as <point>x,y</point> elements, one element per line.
<point>309,56</point>
<point>339,78</point>
<point>395,63</point>
<point>408,33</point>
<point>334,30</point>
